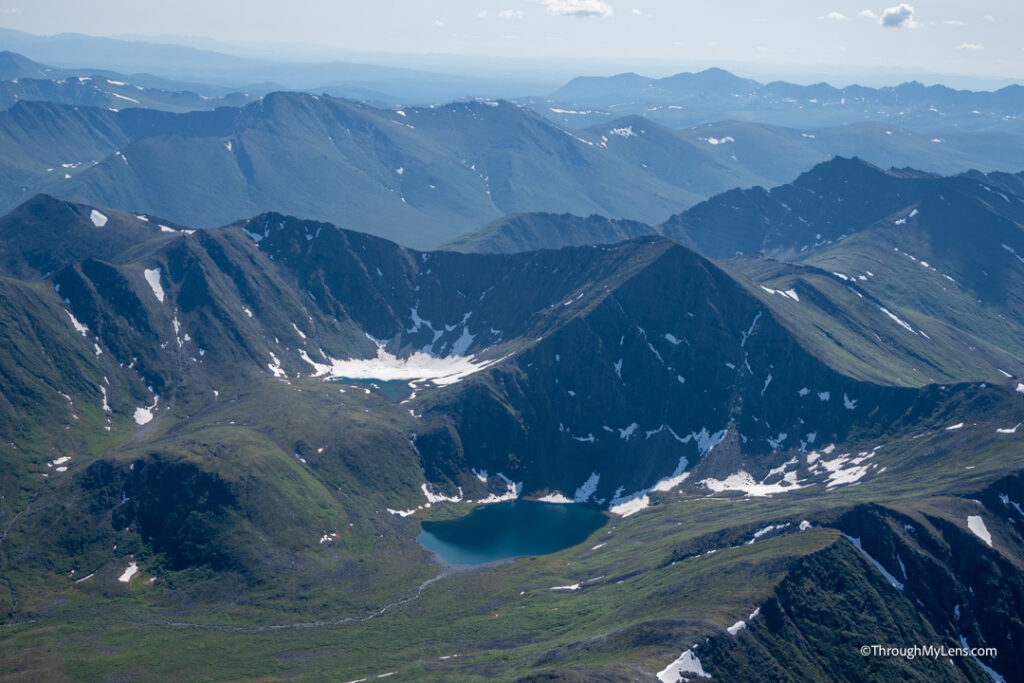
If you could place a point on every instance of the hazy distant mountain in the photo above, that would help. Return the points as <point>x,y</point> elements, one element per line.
<point>531,231</point>
<point>14,66</point>
<point>24,79</point>
<point>384,84</point>
<point>690,99</point>
<point>776,152</point>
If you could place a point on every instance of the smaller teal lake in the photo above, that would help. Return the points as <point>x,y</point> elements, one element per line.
<point>510,529</point>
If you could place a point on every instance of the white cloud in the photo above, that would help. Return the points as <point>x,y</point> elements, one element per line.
<point>835,16</point>
<point>9,10</point>
<point>868,14</point>
<point>578,8</point>
<point>511,14</point>
<point>636,12</point>
<point>438,22</point>
<point>989,17</point>
<point>970,46</point>
<point>954,22</point>
<point>482,14</point>
<point>900,16</point>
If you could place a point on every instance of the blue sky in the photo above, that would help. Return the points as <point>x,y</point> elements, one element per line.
<point>980,38</point>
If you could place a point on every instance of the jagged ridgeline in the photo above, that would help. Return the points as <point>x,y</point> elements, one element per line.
<point>250,415</point>
<point>594,372</point>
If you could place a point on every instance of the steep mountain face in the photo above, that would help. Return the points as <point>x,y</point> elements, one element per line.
<point>932,584</point>
<point>928,263</point>
<point>628,374</point>
<point>796,216</point>
<point>669,154</point>
<point>552,416</point>
<point>688,99</point>
<point>419,175</point>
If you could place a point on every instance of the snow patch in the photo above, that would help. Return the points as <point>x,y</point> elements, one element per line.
<point>843,469</point>
<point>97,218</point>
<point>737,627</point>
<point>128,573</point>
<point>745,482</point>
<point>556,498</point>
<point>419,367</point>
<point>897,319</point>
<point>153,278</point>
<point>977,526</point>
<point>512,491</point>
<point>687,663</point>
<point>587,489</point>
<point>440,498</point>
<point>145,415</point>
<point>82,329</point>
<point>873,561</point>
<point>275,366</point>
<point>626,506</point>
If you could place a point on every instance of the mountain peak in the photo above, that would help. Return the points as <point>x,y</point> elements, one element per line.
<point>839,168</point>
<point>46,233</point>
<point>14,66</point>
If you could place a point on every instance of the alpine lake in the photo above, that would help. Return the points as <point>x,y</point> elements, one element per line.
<point>510,529</point>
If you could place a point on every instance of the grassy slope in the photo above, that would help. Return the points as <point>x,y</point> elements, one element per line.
<point>647,593</point>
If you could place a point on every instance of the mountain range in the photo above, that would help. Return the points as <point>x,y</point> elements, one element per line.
<point>265,410</point>
<point>421,176</point>
<point>688,99</point>
<point>24,79</point>
<point>354,79</point>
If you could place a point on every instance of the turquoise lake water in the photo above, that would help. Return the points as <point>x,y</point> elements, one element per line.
<point>510,529</point>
